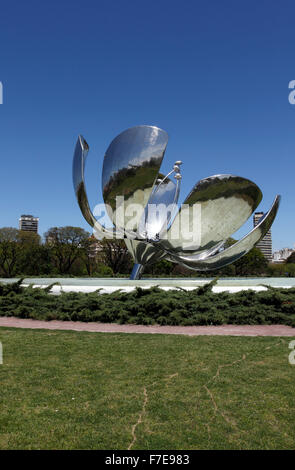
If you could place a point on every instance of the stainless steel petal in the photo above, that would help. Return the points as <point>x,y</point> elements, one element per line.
<point>130,169</point>
<point>215,209</point>
<point>203,254</point>
<point>161,207</point>
<point>163,196</point>
<point>236,251</point>
<point>144,253</point>
<point>78,172</point>
<point>79,161</point>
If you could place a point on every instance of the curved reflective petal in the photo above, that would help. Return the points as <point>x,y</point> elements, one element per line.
<point>130,169</point>
<point>236,251</point>
<point>79,161</point>
<point>216,207</point>
<point>161,207</point>
<point>144,253</point>
<point>200,255</point>
<point>78,172</point>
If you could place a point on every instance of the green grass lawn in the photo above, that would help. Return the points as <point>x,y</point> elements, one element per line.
<point>78,390</point>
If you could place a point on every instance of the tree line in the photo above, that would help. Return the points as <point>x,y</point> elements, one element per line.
<point>65,251</point>
<point>72,251</point>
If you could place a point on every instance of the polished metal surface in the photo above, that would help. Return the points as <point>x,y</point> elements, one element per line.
<point>216,207</point>
<point>130,169</point>
<point>142,204</point>
<point>238,249</point>
<point>144,253</point>
<point>136,271</point>
<point>78,173</point>
<point>161,208</point>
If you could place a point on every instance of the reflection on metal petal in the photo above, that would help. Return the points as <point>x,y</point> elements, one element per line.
<point>236,251</point>
<point>130,169</point>
<point>161,207</point>
<point>79,161</point>
<point>200,255</point>
<point>137,271</point>
<point>144,253</point>
<point>215,209</point>
<point>78,172</point>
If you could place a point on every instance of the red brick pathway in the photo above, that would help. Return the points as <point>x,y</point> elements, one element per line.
<point>230,330</point>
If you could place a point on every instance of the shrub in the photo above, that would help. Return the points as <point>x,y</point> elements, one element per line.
<point>152,306</point>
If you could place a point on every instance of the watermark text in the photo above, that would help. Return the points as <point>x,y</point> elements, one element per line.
<point>292,353</point>
<point>152,222</point>
<point>292,93</point>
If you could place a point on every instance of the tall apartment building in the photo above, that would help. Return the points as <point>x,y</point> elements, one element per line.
<point>265,245</point>
<point>28,223</point>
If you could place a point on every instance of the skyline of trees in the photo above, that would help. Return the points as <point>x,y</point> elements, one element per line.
<point>72,251</point>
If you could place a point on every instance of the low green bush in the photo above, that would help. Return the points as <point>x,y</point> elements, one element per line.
<point>200,306</point>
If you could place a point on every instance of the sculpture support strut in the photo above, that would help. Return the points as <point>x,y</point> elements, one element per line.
<point>137,271</point>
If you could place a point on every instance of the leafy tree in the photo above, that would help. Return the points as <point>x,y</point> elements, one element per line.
<point>102,270</point>
<point>9,234</point>
<point>8,258</point>
<point>28,238</point>
<point>114,253</point>
<point>290,268</point>
<point>9,250</point>
<point>162,267</point>
<point>291,258</point>
<point>253,262</point>
<point>34,260</point>
<point>67,245</point>
<point>89,255</point>
<point>276,269</point>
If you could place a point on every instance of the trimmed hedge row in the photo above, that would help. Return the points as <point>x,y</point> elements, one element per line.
<point>152,306</point>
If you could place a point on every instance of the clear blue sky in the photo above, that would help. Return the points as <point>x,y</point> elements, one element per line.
<point>213,74</point>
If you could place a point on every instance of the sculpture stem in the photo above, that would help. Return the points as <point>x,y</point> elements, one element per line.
<point>137,271</point>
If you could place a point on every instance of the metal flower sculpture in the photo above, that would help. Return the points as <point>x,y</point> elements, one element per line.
<point>142,205</point>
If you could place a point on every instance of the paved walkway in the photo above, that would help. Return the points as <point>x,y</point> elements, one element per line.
<point>230,330</point>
